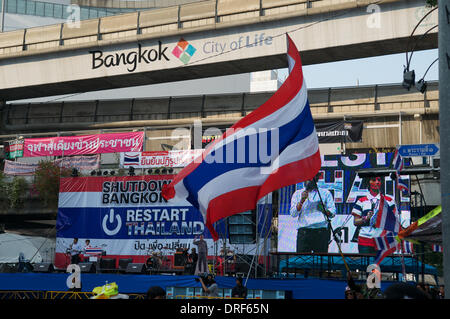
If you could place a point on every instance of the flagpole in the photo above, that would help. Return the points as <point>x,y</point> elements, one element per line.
<point>397,202</point>
<point>331,227</point>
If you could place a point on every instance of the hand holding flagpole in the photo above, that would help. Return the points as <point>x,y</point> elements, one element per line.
<point>331,227</point>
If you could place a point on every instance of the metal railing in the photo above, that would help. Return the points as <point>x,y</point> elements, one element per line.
<point>154,21</point>
<point>57,10</point>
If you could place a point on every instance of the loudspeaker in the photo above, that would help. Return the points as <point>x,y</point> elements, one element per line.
<point>43,267</point>
<point>107,264</point>
<point>123,263</point>
<point>178,261</point>
<point>135,268</point>
<point>87,267</point>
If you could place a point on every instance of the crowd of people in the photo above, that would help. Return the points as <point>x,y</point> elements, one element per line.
<point>398,290</point>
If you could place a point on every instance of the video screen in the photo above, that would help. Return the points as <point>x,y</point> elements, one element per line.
<point>353,203</point>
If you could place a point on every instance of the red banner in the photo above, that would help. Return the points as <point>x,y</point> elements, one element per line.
<point>84,144</point>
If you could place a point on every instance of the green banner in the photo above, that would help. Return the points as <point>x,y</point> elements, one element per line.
<point>14,149</point>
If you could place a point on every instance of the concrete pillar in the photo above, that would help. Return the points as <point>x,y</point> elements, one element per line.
<point>444,132</point>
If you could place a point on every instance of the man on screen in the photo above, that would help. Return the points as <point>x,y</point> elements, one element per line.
<point>313,233</point>
<point>365,216</point>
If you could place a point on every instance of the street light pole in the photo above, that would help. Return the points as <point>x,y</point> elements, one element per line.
<point>3,16</point>
<point>444,132</point>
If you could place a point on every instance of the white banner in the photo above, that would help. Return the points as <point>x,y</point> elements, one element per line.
<point>158,159</point>
<point>81,162</point>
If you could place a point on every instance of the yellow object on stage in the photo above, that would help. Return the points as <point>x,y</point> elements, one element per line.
<point>106,291</point>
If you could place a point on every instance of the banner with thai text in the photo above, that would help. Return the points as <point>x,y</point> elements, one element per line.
<point>13,149</point>
<point>84,144</point>
<point>158,159</point>
<point>83,162</point>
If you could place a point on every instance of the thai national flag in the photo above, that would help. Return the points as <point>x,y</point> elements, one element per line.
<point>408,247</point>
<point>93,250</point>
<point>386,245</point>
<point>387,216</point>
<point>397,162</point>
<point>437,248</point>
<point>222,183</point>
<point>401,185</point>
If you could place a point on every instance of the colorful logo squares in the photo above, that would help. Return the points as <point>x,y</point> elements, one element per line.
<point>184,51</point>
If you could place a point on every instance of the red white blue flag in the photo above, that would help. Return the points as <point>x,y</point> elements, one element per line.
<point>437,248</point>
<point>397,162</point>
<point>222,183</point>
<point>386,245</point>
<point>401,185</point>
<point>408,247</point>
<point>387,216</point>
<point>93,251</point>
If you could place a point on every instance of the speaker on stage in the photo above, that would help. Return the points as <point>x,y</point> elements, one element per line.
<point>43,267</point>
<point>87,267</point>
<point>123,263</point>
<point>107,264</point>
<point>133,268</point>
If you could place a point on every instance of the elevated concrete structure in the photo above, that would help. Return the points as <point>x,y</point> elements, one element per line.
<point>392,114</point>
<point>221,37</point>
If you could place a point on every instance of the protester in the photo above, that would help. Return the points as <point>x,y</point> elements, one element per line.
<point>210,287</point>
<point>430,291</point>
<point>403,290</point>
<point>191,262</point>
<point>441,293</point>
<point>313,233</point>
<point>156,292</point>
<point>239,291</point>
<point>349,293</point>
<point>202,254</point>
<point>75,251</point>
<point>87,245</point>
<point>154,262</point>
<point>365,214</point>
<point>363,291</point>
<point>24,264</point>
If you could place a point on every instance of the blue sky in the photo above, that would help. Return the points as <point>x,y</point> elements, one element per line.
<point>369,71</point>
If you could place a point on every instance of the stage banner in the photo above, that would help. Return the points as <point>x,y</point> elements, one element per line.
<point>158,159</point>
<point>338,175</point>
<point>84,144</point>
<point>127,217</point>
<point>340,132</point>
<point>83,162</point>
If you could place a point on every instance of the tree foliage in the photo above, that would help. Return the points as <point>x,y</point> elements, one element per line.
<point>46,183</point>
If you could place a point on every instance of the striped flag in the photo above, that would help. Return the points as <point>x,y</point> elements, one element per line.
<point>437,248</point>
<point>219,187</point>
<point>408,247</point>
<point>387,216</point>
<point>401,185</point>
<point>397,162</point>
<point>93,251</point>
<point>386,245</point>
